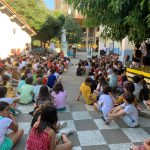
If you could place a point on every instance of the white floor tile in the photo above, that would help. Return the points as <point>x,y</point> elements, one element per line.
<point>70,125</point>
<point>91,137</point>
<point>135,134</point>
<point>101,125</point>
<point>122,146</point>
<point>89,107</point>
<point>67,109</point>
<point>77,148</point>
<point>25,126</point>
<point>81,115</point>
<point>25,108</point>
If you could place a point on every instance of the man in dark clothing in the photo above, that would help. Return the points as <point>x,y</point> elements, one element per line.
<point>137,56</point>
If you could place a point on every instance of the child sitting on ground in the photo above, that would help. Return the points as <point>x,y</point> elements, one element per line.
<point>59,95</point>
<point>104,104</point>
<point>138,86</point>
<point>113,79</point>
<point>26,92</point>
<point>8,121</point>
<point>101,83</point>
<point>43,133</point>
<point>12,101</point>
<point>127,111</point>
<point>6,82</point>
<point>128,87</point>
<point>36,88</point>
<point>85,90</point>
<point>21,82</point>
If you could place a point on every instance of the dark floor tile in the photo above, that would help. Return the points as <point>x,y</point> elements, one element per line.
<point>64,116</point>
<point>24,118</point>
<point>98,147</point>
<point>95,115</point>
<point>21,144</point>
<point>147,129</point>
<point>83,125</point>
<point>76,107</point>
<point>74,139</point>
<point>120,123</point>
<point>115,136</point>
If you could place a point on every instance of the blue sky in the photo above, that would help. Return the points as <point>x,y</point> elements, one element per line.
<point>50,4</point>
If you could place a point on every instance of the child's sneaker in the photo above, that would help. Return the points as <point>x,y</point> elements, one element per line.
<point>17,112</point>
<point>63,124</point>
<point>148,108</point>
<point>67,131</point>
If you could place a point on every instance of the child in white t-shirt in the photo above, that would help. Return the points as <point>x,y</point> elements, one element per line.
<point>138,86</point>
<point>127,111</point>
<point>8,121</point>
<point>105,103</point>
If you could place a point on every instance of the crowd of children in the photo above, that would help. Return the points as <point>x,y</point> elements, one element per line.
<point>33,79</point>
<point>107,86</point>
<point>108,89</point>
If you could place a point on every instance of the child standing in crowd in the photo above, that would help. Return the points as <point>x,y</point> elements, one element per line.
<point>26,92</point>
<point>43,133</point>
<point>8,121</point>
<point>127,111</point>
<point>60,96</point>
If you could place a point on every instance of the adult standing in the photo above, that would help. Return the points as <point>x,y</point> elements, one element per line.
<point>146,58</point>
<point>137,56</point>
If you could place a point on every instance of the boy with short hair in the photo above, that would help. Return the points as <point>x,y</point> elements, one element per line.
<point>127,111</point>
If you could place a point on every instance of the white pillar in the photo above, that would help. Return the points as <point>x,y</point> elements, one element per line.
<point>126,48</point>
<point>87,41</point>
<point>64,45</point>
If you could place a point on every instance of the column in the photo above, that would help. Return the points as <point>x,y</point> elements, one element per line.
<point>126,49</point>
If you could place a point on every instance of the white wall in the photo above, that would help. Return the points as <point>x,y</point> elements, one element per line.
<point>10,40</point>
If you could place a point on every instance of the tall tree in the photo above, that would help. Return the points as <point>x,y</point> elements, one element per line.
<point>120,17</point>
<point>46,23</point>
<point>73,29</point>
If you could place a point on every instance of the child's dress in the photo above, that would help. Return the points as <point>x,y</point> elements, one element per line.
<point>38,141</point>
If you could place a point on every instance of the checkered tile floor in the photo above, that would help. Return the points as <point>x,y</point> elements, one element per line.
<point>90,131</point>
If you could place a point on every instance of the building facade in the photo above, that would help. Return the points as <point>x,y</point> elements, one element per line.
<point>62,6</point>
<point>15,33</point>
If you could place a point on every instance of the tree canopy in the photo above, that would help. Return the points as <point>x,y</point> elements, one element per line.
<point>73,29</point>
<point>46,23</point>
<point>120,18</point>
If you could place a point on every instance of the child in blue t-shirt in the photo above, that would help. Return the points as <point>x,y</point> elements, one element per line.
<point>51,79</point>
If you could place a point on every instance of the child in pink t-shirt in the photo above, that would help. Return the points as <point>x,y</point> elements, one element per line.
<point>60,96</point>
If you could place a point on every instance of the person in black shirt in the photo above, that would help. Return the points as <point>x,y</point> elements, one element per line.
<point>137,56</point>
<point>146,58</point>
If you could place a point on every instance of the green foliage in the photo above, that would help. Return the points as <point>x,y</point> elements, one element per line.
<point>46,23</point>
<point>119,17</point>
<point>73,29</point>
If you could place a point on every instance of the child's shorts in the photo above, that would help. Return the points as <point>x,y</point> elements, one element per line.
<point>61,109</point>
<point>7,144</point>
